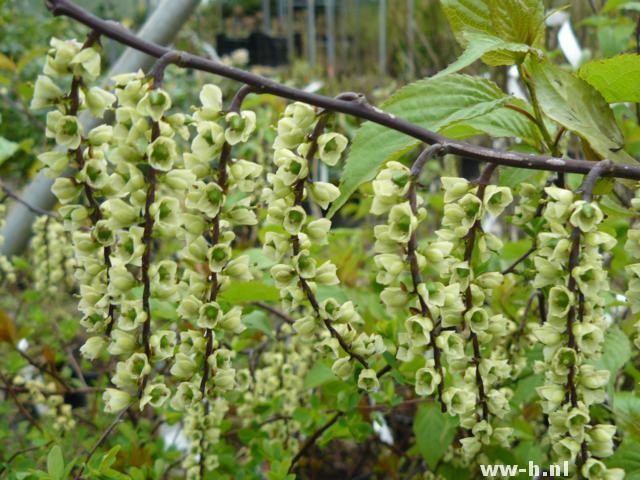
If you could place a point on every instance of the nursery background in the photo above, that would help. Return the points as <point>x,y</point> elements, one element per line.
<point>319,239</point>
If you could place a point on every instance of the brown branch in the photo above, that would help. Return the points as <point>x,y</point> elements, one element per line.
<point>278,313</point>
<point>38,211</point>
<point>100,441</point>
<point>577,314</point>
<point>23,410</point>
<point>360,109</point>
<point>483,181</point>
<point>295,243</point>
<point>412,248</point>
<point>313,439</point>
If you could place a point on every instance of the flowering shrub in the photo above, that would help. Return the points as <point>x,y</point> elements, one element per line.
<point>214,290</point>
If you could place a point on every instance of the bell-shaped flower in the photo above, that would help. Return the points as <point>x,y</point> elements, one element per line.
<point>162,153</point>
<point>93,347</point>
<point>162,344</point>
<point>560,300</point>
<point>330,147</point>
<point>209,315</point>
<point>86,63</point>
<point>586,215</point>
<point>45,93</point>
<point>459,400</point>
<point>342,368</point>
<point>65,129</point>
<point>368,380</point>
<point>154,104</point>
<point>240,126</point>
<point>401,222</point>
<point>323,193</point>
<point>115,400</point>
<point>155,394</point>
<point>427,380</point>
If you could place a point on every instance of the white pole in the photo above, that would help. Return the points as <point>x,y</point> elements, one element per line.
<point>311,31</point>
<point>382,37</point>
<point>161,27</point>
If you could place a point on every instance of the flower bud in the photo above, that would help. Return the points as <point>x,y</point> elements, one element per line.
<point>92,348</point>
<point>368,380</point>
<point>155,394</point>
<point>323,193</point>
<point>115,400</point>
<point>45,93</point>
<point>342,368</point>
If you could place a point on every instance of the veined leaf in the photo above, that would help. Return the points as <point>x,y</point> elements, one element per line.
<point>501,122</point>
<point>434,431</point>
<point>626,407</point>
<point>55,463</point>
<point>578,107</point>
<point>430,103</point>
<point>479,45</point>
<point>627,457</point>
<point>616,78</point>
<point>616,352</point>
<point>520,21</point>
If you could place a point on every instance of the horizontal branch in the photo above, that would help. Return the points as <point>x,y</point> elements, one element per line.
<point>358,107</point>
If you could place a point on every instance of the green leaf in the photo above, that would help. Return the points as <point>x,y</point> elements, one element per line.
<point>578,107</point>
<point>431,103</point>
<point>616,352</point>
<point>55,463</point>
<point>626,407</point>
<point>500,122</point>
<point>615,78</point>
<point>434,432</point>
<point>319,375</point>
<point>627,457</point>
<point>479,45</point>
<point>7,149</point>
<point>108,458</point>
<point>252,291</point>
<point>259,321</point>
<point>520,21</point>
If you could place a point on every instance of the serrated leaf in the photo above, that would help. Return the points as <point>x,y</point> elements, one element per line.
<point>627,457</point>
<point>616,352</point>
<point>434,431</point>
<point>615,78</point>
<point>479,45</point>
<point>55,463</point>
<point>501,122</point>
<point>578,107</point>
<point>520,21</point>
<point>430,103</point>
<point>626,407</point>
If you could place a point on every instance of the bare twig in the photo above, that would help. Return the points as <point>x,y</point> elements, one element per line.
<point>358,109</point>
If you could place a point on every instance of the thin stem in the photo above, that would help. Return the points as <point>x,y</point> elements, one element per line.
<point>359,108</point>
<point>278,313</point>
<point>313,438</point>
<point>412,257</point>
<point>295,244</point>
<point>38,211</point>
<point>483,181</point>
<point>576,314</point>
<point>100,441</point>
